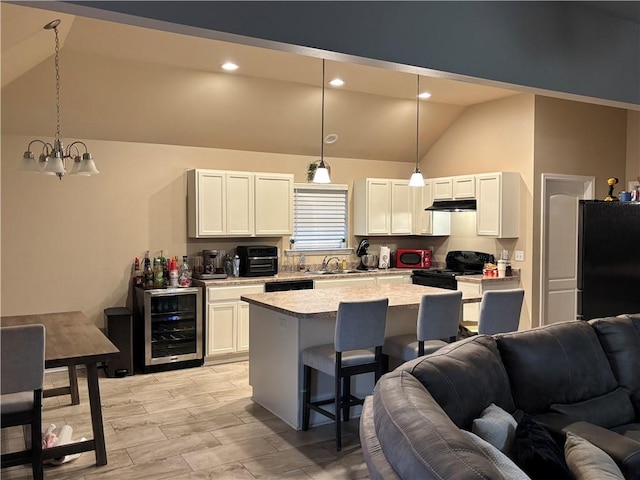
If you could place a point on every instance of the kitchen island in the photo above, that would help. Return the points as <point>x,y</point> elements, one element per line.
<point>285,323</point>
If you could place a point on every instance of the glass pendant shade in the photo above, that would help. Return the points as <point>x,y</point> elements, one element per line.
<point>76,166</point>
<point>417,180</point>
<point>28,163</point>
<point>322,174</point>
<point>55,166</point>
<point>87,166</point>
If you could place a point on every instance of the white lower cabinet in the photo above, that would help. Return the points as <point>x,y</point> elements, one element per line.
<point>344,282</point>
<point>470,310</point>
<point>227,321</point>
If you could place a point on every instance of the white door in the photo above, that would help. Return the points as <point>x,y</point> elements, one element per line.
<point>559,249</point>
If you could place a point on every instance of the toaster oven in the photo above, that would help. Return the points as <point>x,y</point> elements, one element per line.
<point>258,260</point>
<point>413,258</point>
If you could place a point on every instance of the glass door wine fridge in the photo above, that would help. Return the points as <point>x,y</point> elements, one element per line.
<point>168,328</point>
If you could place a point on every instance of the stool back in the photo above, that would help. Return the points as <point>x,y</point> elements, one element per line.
<point>360,324</point>
<point>500,311</point>
<point>22,365</point>
<point>439,316</point>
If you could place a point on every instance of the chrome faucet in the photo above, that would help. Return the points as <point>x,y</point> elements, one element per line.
<point>325,262</point>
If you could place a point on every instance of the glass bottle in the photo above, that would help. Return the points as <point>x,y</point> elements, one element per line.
<point>184,274</point>
<point>147,274</point>
<point>158,273</point>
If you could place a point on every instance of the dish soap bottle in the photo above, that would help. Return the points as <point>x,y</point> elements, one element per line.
<point>303,263</point>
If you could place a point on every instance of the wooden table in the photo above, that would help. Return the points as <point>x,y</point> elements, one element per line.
<point>72,339</point>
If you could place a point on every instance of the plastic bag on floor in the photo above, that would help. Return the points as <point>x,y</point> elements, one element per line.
<point>50,439</point>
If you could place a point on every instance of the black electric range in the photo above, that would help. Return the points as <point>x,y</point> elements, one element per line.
<point>458,262</point>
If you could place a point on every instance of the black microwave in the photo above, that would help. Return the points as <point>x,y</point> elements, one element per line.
<point>258,260</point>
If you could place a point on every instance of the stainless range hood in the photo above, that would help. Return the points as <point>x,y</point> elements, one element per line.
<point>453,206</point>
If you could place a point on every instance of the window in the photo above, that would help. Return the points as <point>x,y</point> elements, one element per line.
<point>319,216</point>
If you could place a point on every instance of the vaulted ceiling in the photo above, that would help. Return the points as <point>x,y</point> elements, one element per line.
<point>127,83</point>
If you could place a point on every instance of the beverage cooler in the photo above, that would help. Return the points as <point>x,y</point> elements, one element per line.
<point>167,328</point>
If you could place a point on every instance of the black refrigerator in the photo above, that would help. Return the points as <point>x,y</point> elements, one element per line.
<point>608,258</point>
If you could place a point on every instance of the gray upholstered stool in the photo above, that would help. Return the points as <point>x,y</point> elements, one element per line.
<point>500,311</point>
<point>360,327</point>
<point>22,377</point>
<point>438,319</point>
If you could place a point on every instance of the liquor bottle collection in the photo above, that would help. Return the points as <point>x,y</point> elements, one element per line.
<point>162,272</point>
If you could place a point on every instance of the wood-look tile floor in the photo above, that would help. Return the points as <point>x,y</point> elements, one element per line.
<point>196,423</point>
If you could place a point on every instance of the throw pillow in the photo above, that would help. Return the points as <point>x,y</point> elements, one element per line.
<point>537,453</point>
<point>503,463</point>
<point>496,426</point>
<point>608,411</point>
<point>588,462</point>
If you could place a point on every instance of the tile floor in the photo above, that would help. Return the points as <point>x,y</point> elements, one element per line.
<point>197,423</point>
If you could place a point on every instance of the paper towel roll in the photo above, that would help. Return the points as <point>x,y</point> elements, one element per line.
<point>385,254</point>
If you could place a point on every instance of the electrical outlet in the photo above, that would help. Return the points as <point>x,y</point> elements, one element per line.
<point>519,256</point>
<point>505,254</point>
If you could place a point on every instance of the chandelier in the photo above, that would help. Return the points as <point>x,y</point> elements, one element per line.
<point>53,158</point>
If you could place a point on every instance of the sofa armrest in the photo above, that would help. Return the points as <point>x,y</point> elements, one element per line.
<point>624,451</point>
<point>377,464</point>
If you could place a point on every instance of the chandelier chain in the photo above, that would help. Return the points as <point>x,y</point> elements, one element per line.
<point>417,120</point>
<point>57,64</point>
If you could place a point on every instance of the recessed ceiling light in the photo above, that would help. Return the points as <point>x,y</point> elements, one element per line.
<point>229,66</point>
<point>336,82</point>
<point>424,95</point>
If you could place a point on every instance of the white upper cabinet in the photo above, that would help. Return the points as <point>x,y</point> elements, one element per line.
<point>238,204</point>
<point>402,207</point>
<point>427,222</point>
<point>372,206</point>
<point>442,188</point>
<point>454,188</point>
<point>464,187</point>
<point>498,213</point>
<point>391,207</point>
<point>274,204</point>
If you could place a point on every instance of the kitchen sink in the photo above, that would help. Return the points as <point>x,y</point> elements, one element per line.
<point>331,272</point>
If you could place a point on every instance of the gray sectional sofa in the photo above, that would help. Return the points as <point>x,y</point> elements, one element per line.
<point>576,376</point>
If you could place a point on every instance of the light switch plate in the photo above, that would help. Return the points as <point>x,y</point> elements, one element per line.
<point>519,256</point>
<point>505,254</point>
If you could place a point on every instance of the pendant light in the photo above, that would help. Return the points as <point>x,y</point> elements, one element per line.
<point>52,159</point>
<point>322,172</point>
<point>417,180</point>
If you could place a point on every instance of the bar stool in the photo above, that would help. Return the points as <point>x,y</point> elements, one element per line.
<point>500,311</point>
<point>438,319</point>
<point>360,326</point>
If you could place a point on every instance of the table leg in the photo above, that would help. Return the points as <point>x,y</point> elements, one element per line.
<point>73,385</point>
<point>96,414</point>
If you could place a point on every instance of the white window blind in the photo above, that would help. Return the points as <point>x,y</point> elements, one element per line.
<point>319,216</point>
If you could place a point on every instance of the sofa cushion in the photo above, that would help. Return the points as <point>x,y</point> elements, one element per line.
<point>418,438</point>
<point>620,340</point>
<point>464,378</point>
<point>588,462</point>
<point>537,453</point>
<point>609,410</point>
<point>560,363</point>
<point>497,427</point>
<point>499,459</point>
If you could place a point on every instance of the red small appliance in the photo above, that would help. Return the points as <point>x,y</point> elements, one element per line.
<point>413,258</point>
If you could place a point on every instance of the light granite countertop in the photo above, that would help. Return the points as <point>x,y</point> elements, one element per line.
<point>324,302</point>
<point>483,280</point>
<point>287,276</point>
